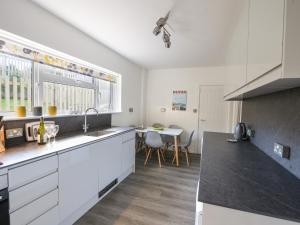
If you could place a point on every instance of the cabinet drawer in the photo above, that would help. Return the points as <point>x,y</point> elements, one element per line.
<point>3,182</point>
<point>25,174</point>
<point>128,136</point>
<point>49,218</point>
<point>32,191</point>
<point>35,209</point>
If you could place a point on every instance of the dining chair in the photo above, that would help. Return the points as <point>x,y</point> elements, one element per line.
<point>184,147</point>
<point>139,142</point>
<point>169,140</point>
<point>154,143</point>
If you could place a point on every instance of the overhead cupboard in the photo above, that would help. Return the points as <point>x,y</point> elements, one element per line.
<point>266,42</point>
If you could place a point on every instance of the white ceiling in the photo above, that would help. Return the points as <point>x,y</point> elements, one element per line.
<point>201,28</point>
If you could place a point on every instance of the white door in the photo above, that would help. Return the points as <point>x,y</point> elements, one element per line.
<point>213,111</point>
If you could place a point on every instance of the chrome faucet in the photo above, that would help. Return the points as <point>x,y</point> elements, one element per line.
<point>85,125</point>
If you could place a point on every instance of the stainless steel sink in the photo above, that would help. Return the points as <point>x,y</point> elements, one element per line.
<point>99,133</point>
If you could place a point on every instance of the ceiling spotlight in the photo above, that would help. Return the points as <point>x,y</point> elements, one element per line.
<point>160,24</point>
<point>156,31</point>
<point>166,38</point>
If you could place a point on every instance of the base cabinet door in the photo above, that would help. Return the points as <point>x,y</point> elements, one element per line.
<point>78,181</point>
<point>49,218</point>
<point>34,210</point>
<point>107,156</point>
<point>128,155</point>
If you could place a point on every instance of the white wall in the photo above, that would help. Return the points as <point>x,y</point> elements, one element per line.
<point>24,18</point>
<point>160,85</point>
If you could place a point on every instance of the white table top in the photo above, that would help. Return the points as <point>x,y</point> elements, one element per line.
<point>166,131</point>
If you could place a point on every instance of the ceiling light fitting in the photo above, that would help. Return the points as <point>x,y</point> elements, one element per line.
<point>160,25</point>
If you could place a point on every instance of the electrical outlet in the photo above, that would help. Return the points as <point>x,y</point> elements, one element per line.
<point>13,133</point>
<point>282,150</point>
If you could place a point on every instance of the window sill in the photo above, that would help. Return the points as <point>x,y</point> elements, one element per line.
<point>13,117</point>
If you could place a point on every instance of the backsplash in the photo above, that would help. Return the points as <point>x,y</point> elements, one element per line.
<point>276,118</point>
<point>66,125</point>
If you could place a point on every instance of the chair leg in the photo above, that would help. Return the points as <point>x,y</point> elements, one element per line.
<point>147,158</point>
<point>174,157</point>
<point>158,155</point>
<point>187,156</point>
<point>162,155</point>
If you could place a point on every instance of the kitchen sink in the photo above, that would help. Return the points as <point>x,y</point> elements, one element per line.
<point>99,133</point>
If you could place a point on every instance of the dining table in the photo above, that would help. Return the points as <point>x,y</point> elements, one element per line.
<point>174,132</point>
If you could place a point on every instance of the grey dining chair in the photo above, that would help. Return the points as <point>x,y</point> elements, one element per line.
<point>154,143</point>
<point>184,147</point>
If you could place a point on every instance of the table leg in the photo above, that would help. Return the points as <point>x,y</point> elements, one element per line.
<point>176,150</point>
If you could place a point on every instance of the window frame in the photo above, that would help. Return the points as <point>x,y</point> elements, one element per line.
<point>37,88</point>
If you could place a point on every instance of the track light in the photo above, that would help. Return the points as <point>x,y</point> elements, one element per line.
<point>156,31</point>
<point>166,38</point>
<point>160,24</point>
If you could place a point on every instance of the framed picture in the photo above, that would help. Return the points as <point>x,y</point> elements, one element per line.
<point>179,100</point>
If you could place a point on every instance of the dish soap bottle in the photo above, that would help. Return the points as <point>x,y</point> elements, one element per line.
<point>41,138</point>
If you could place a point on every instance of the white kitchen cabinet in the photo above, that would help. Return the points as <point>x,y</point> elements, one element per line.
<point>35,209</point>
<point>27,173</point>
<point>32,191</point>
<point>128,155</point>
<point>49,218</point>
<point>217,215</point>
<point>265,42</point>
<point>3,181</point>
<point>108,160</point>
<point>78,180</point>
<point>236,57</point>
<point>273,51</point>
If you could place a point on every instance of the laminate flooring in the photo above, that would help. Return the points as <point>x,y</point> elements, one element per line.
<point>150,196</point>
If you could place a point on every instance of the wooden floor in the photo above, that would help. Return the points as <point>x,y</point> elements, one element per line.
<point>151,196</point>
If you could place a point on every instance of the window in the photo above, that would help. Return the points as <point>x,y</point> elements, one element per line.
<point>70,92</point>
<point>15,83</point>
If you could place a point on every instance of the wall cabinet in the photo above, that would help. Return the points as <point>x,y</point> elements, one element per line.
<point>272,53</point>
<point>265,40</point>
<point>236,58</point>
<point>78,181</point>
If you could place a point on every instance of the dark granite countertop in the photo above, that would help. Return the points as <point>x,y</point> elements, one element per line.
<point>242,177</point>
<point>32,150</point>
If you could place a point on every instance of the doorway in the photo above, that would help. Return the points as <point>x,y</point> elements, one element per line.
<point>214,114</point>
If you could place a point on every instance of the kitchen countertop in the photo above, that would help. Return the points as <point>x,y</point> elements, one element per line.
<point>31,150</point>
<point>240,176</point>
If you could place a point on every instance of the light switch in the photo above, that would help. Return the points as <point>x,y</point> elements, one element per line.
<point>282,150</point>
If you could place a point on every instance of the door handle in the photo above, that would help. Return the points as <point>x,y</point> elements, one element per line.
<point>202,120</point>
